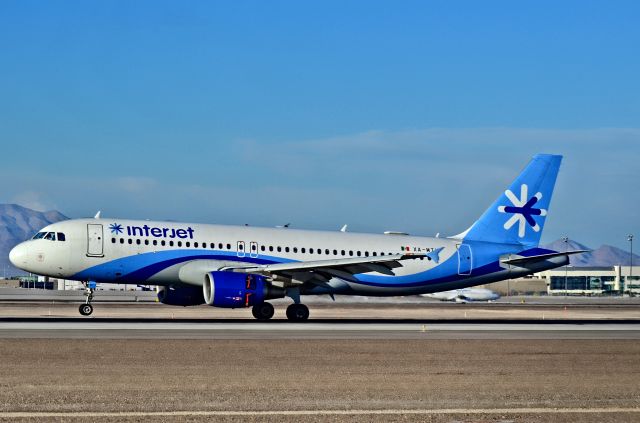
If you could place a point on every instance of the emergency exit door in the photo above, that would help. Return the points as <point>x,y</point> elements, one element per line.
<point>94,240</point>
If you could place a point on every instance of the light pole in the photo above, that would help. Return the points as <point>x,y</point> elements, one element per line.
<point>630,239</point>
<point>565,239</point>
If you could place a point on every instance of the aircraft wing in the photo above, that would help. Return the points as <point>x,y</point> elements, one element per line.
<point>324,270</point>
<point>519,261</point>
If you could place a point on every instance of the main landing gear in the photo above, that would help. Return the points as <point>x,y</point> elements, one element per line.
<point>295,312</point>
<point>86,309</point>
<point>262,311</point>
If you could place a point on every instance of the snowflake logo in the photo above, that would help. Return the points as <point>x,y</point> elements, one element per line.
<point>116,228</point>
<point>522,210</point>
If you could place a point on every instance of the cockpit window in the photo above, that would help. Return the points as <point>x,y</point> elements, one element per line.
<point>61,237</point>
<point>51,236</point>
<point>39,235</point>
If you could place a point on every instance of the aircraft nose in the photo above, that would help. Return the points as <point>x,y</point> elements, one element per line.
<point>17,255</point>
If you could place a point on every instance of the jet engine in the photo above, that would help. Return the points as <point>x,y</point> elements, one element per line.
<point>236,290</point>
<point>180,295</point>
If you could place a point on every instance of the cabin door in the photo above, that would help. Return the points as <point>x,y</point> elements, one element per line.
<point>94,240</point>
<point>464,259</point>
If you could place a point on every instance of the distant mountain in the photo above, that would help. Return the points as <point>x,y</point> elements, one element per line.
<point>17,224</point>
<point>605,255</point>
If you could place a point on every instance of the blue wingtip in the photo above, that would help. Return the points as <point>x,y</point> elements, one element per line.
<point>435,255</point>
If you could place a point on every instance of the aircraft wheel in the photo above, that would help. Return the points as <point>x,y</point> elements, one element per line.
<point>85,309</point>
<point>297,312</point>
<point>262,311</point>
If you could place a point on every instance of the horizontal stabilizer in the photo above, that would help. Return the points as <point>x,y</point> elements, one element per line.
<point>523,260</point>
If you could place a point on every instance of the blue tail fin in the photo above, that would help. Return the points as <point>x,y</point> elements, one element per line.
<point>518,215</point>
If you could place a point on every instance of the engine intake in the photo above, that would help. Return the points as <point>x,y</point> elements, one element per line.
<point>236,290</point>
<point>180,295</point>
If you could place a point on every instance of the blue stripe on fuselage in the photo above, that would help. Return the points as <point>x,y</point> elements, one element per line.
<point>140,267</point>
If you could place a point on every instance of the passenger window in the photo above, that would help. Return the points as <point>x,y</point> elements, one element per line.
<point>279,249</point>
<point>310,250</point>
<point>220,246</point>
<point>113,240</point>
<point>155,242</point>
<point>295,249</point>
<point>61,237</point>
<point>146,242</point>
<point>326,251</point>
<point>195,245</point>
<point>342,252</point>
<point>163,243</point>
<point>270,247</point>
<point>213,246</point>
<point>286,249</point>
<point>358,253</point>
<point>350,252</point>
<point>262,248</point>
<point>187,244</point>
<point>303,250</point>
<point>121,240</point>
<point>130,241</point>
<point>228,246</point>
<point>170,243</point>
<point>138,241</point>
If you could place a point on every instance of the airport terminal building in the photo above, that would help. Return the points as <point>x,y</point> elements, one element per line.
<point>592,280</point>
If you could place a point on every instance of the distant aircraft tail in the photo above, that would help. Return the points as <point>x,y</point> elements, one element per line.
<point>518,215</point>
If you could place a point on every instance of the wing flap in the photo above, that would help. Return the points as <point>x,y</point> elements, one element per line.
<point>321,269</point>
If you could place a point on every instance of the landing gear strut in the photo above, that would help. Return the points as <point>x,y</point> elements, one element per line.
<point>297,312</point>
<point>262,311</point>
<point>86,309</point>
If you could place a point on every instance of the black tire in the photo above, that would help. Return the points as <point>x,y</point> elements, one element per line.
<point>263,311</point>
<point>297,312</point>
<point>85,309</point>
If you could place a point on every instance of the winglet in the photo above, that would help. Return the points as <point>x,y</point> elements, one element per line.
<point>435,255</point>
<point>97,216</point>
<point>343,229</point>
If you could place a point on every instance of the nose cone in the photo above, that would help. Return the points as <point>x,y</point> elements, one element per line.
<point>18,256</point>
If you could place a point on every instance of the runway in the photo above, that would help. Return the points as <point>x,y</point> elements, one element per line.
<point>52,328</point>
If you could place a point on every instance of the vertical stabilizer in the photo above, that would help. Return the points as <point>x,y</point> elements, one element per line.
<point>518,215</point>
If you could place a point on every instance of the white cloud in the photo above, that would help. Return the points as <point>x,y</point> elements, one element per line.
<point>33,200</point>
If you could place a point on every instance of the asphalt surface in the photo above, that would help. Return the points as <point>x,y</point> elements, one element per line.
<point>393,311</point>
<point>384,330</point>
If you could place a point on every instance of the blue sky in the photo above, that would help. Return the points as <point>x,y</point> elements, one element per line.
<point>385,115</point>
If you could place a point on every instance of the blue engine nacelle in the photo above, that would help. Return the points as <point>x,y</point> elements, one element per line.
<point>236,290</point>
<point>180,295</point>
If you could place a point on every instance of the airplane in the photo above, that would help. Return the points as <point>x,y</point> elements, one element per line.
<point>464,295</point>
<point>245,266</point>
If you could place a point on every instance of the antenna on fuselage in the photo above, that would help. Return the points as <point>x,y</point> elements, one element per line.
<point>97,216</point>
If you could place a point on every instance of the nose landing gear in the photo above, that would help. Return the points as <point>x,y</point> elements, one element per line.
<point>86,309</point>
